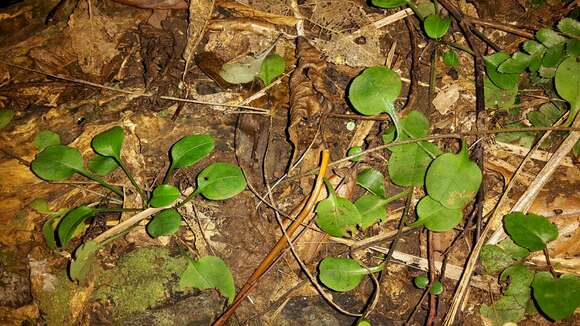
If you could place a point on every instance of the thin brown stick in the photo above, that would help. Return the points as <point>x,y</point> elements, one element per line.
<point>499,26</point>
<point>432,279</point>
<point>280,245</point>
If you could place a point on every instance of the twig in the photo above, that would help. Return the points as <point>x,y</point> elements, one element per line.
<point>549,263</point>
<point>432,278</point>
<point>502,27</point>
<point>138,93</point>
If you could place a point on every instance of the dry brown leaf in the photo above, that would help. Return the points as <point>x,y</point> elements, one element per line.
<point>446,98</point>
<point>309,98</point>
<point>199,14</point>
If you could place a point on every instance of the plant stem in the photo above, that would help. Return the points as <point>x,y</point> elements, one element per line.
<point>117,210</point>
<point>167,175</point>
<point>133,182</point>
<point>101,182</point>
<point>549,263</point>
<point>188,198</point>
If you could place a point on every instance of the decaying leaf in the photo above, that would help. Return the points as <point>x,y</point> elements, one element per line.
<point>156,4</point>
<point>309,98</point>
<point>199,14</point>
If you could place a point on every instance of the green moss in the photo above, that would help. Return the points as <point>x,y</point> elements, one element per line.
<point>140,280</point>
<point>55,304</point>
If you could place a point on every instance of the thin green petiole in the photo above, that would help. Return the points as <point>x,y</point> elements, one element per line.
<point>188,199</point>
<point>133,182</point>
<point>101,182</point>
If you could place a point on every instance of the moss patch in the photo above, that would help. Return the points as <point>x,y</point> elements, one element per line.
<point>55,304</point>
<point>140,280</point>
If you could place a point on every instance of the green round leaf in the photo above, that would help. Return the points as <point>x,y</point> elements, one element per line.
<point>166,222</point>
<point>5,117</point>
<point>71,221</point>
<point>516,64</point>
<point>221,181</point>
<point>421,281</point>
<point>109,142</point>
<point>436,217</point>
<point>569,26</point>
<point>102,165</point>
<point>341,274</point>
<point>453,179</point>
<point>530,230</point>
<point>335,215</point>
<point>272,67</point>
<point>364,323</point>
<point>389,3</point>
<point>372,180</point>
<point>190,150</point>
<point>408,164</point>
<point>372,209</point>
<point>46,138</point>
<point>450,58</point>
<point>567,81</point>
<point>557,298</point>
<point>207,273</point>
<point>164,195</point>
<point>57,162</point>
<point>436,288</point>
<point>501,80</point>
<point>375,90</point>
<point>497,97</point>
<point>435,26</point>
<point>353,151</point>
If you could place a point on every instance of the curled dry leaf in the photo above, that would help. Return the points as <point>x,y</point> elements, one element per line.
<point>199,14</point>
<point>309,98</point>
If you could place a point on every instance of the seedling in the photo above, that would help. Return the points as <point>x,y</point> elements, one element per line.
<point>218,181</point>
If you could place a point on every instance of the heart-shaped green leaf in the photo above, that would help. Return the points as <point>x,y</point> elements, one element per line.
<point>221,181</point>
<point>567,81</point>
<point>341,274</point>
<point>372,209</point>
<point>435,216</point>
<point>375,91</point>
<point>190,150</point>
<point>81,265</point>
<point>71,221</point>
<point>109,142</point>
<point>272,67</point>
<point>530,230</point>
<point>516,64</point>
<point>501,80</point>
<point>207,273</point>
<point>497,97</point>
<point>408,164</point>
<point>102,165</point>
<point>57,162</point>
<point>164,195</point>
<point>554,56</point>
<point>549,38</point>
<point>389,3</point>
<point>372,180</point>
<point>6,116</point>
<point>335,215</point>
<point>453,179</point>
<point>166,222</point>
<point>46,138</point>
<point>435,26</point>
<point>516,299</point>
<point>496,258</point>
<point>557,298</point>
<point>450,58</point>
